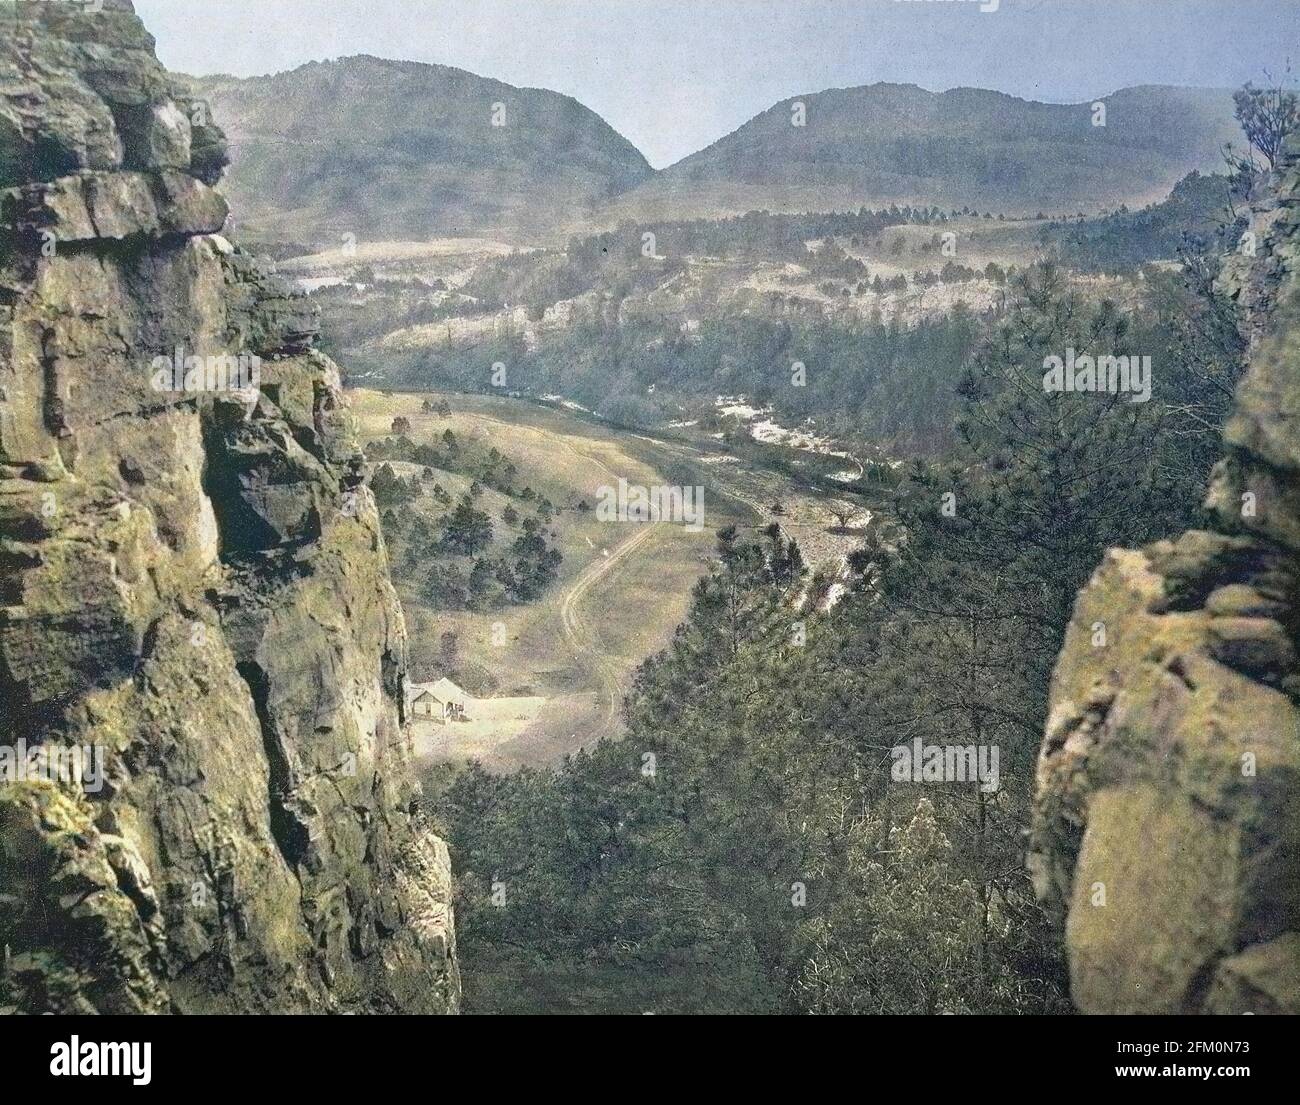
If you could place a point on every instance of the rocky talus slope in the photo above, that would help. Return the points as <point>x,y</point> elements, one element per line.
<point>1167,825</point>
<point>192,581</point>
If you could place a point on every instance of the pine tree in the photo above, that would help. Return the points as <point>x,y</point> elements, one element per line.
<point>970,596</point>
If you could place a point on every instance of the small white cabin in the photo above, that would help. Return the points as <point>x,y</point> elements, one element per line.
<point>442,702</point>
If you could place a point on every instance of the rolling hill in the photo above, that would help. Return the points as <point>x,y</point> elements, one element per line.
<point>890,143</point>
<point>392,150</point>
<point>401,150</point>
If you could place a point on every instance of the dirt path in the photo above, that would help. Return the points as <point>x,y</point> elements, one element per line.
<point>576,651</point>
<point>583,639</point>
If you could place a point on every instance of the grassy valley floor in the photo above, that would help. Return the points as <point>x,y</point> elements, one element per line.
<point>547,677</point>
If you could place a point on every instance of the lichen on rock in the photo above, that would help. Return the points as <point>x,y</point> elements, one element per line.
<point>1166,834</point>
<point>193,581</point>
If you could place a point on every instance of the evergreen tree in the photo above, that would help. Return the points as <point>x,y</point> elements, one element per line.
<point>466,530</point>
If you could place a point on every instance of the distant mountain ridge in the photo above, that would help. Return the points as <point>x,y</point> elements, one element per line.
<point>880,144</point>
<point>406,150</point>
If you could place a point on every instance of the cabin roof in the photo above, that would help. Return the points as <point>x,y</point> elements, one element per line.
<point>444,690</point>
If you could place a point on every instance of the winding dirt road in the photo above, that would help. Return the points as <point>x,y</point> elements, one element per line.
<point>583,639</point>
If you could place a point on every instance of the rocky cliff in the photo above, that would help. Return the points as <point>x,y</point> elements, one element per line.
<point>1166,835</point>
<point>192,586</point>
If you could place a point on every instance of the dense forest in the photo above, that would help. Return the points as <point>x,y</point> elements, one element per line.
<point>885,382</point>
<point>1203,211</point>
<point>751,823</point>
<point>636,358</point>
<point>769,827</point>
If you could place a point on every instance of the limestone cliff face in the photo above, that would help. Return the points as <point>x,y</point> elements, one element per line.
<point>1167,825</point>
<point>192,581</point>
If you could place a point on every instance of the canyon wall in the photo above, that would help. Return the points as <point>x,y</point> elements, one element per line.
<point>1166,836</point>
<point>192,585</point>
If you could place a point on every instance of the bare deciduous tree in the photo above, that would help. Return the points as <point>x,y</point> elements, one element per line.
<point>1268,116</point>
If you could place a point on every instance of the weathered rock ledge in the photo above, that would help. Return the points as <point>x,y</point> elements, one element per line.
<point>192,581</point>
<point>1166,836</point>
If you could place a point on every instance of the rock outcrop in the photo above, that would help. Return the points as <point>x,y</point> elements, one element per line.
<point>192,585</point>
<point>1166,836</point>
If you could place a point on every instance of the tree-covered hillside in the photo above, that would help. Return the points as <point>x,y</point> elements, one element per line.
<point>897,143</point>
<point>1203,211</point>
<point>385,149</point>
<point>753,823</point>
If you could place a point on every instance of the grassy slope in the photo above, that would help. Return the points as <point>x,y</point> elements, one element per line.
<point>626,615</point>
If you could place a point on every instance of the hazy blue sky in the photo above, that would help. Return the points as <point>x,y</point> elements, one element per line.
<point>675,75</point>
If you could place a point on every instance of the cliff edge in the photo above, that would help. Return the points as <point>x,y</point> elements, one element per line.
<point>1166,835</point>
<point>196,613</point>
